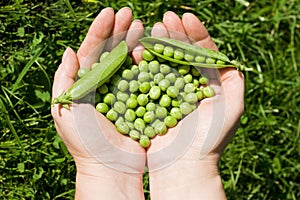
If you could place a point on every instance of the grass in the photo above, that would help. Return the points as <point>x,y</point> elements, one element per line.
<point>262,161</point>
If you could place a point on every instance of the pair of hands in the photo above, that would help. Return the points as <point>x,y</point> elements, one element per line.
<point>196,143</point>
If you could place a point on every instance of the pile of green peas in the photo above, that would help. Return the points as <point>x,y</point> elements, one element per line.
<point>143,100</point>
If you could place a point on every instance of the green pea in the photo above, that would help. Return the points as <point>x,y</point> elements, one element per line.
<point>82,71</point>
<point>130,115</point>
<point>158,77</point>
<point>139,124</point>
<point>179,83</point>
<point>200,94</point>
<point>188,88</point>
<point>150,106</point>
<point>103,89</point>
<point>164,84</point>
<point>97,97</point>
<point>196,82</point>
<point>172,91</point>
<point>115,79</point>
<point>149,116</point>
<point>140,111</point>
<point>153,66</point>
<point>189,57</point>
<point>188,78</point>
<point>178,54</point>
<point>144,87</point>
<point>165,69</point>
<point>203,80</point>
<point>144,141</point>
<point>176,102</point>
<point>123,128</point>
<point>122,96</point>
<point>144,76</point>
<point>185,108</point>
<point>161,112</point>
<point>183,69</point>
<point>200,59</point>
<point>102,108</point>
<point>176,112</point>
<point>147,55</point>
<point>130,125</point>
<point>168,51</point>
<point>109,98</point>
<point>160,128</point>
<point>128,74</point>
<point>191,98</point>
<point>123,85</point>
<point>220,62</point>
<point>133,86</point>
<point>128,61</point>
<point>143,66</point>
<point>149,131</point>
<point>165,101</point>
<point>103,56</point>
<point>171,77</point>
<point>195,72</point>
<point>208,91</point>
<point>135,70</point>
<point>134,134</point>
<point>159,48</point>
<point>154,92</point>
<point>210,60</point>
<point>170,121</point>
<point>131,102</point>
<point>112,115</point>
<point>120,107</point>
<point>142,99</point>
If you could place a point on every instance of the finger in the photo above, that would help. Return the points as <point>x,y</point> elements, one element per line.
<point>122,22</point>
<point>174,26</point>
<point>94,41</point>
<point>159,30</point>
<point>135,32</point>
<point>66,73</point>
<point>196,31</point>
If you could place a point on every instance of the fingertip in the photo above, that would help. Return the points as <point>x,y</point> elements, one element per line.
<point>159,30</point>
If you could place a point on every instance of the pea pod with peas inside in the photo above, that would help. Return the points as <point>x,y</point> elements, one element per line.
<point>95,77</point>
<point>186,54</point>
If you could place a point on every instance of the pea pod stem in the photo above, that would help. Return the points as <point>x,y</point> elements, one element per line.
<point>148,43</point>
<point>96,77</point>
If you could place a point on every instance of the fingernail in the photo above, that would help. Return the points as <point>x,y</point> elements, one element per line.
<point>66,53</point>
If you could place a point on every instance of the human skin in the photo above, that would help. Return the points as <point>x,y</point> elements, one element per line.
<point>183,164</point>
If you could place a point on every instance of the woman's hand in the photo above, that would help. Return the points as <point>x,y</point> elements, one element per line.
<point>109,165</point>
<point>183,163</point>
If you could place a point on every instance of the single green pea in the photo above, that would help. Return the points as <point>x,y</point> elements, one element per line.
<point>200,59</point>
<point>128,61</point>
<point>144,141</point>
<point>122,96</point>
<point>115,79</point>
<point>130,115</point>
<point>195,72</point>
<point>171,77</point>
<point>196,82</point>
<point>220,62</point>
<point>134,134</point>
<point>203,80</point>
<point>131,102</point>
<point>172,91</point>
<point>149,116</point>
<point>179,83</point>
<point>176,112</point>
<point>123,85</point>
<point>130,125</point>
<point>103,56</point>
<point>109,98</point>
<point>170,121</point>
<point>158,77</point>
<point>150,106</point>
<point>143,66</point>
<point>168,51</point>
<point>139,124</point>
<point>140,111</point>
<point>161,112</point>
<point>210,60</point>
<point>159,48</point>
<point>176,102</point>
<point>160,128</point>
<point>185,108</point>
<point>142,99</point>
<point>153,66</point>
<point>189,88</point>
<point>188,78</point>
<point>191,98</point>
<point>164,84</point>
<point>98,97</point>
<point>144,76</point>
<point>133,86</point>
<point>94,65</point>
<point>135,70</point>
<point>133,95</point>
<point>183,69</point>
<point>112,115</point>
<point>200,94</point>
<point>102,108</point>
<point>161,60</point>
<point>154,92</point>
<point>149,131</point>
<point>122,128</point>
<point>147,55</point>
<point>165,101</point>
<point>164,68</point>
<point>120,107</point>
<point>189,57</point>
<point>208,91</point>
<point>82,71</point>
<point>103,89</point>
<point>144,87</point>
<point>178,54</point>
<point>128,74</point>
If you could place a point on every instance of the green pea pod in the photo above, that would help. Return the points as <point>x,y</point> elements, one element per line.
<point>96,77</point>
<point>221,60</point>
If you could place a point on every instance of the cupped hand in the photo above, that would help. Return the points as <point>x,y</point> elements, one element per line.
<point>93,140</point>
<point>180,161</point>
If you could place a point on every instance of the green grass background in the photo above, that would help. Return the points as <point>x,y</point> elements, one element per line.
<point>262,161</point>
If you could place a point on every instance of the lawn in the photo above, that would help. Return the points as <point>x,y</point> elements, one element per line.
<point>261,162</point>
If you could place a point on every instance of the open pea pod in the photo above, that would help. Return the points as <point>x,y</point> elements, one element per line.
<point>216,59</point>
<point>96,77</point>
